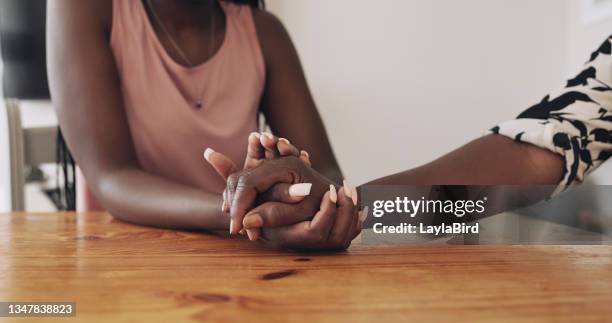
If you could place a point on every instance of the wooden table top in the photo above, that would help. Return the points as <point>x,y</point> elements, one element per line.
<point>118,272</point>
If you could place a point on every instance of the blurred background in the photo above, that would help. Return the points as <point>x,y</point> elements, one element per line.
<point>445,71</point>
<point>398,82</point>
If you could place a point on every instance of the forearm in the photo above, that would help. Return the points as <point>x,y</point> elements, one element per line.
<point>490,160</point>
<point>139,197</point>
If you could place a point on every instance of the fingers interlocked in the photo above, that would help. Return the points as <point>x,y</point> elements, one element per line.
<point>273,192</point>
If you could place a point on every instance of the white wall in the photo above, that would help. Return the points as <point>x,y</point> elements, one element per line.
<point>400,82</point>
<point>584,37</point>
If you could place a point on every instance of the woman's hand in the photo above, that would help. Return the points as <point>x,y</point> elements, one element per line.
<point>333,227</point>
<point>316,224</point>
<point>272,179</point>
<point>267,146</point>
<point>260,147</point>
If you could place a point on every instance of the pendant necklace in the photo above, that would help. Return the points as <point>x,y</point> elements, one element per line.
<point>197,102</point>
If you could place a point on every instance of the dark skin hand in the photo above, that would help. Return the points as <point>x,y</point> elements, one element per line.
<point>336,221</point>
<point>286,87</point>
<point>85,88</point>
<point>332,228</point>
<point>244,187</point>
<point>490,160</point>
<point>259,146</point>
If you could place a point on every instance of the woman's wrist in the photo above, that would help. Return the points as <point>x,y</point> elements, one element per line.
<point>210,215</point>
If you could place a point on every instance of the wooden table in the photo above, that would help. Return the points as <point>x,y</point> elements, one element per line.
<point>118,272</point>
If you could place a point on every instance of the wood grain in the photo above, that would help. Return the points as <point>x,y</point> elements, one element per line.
<point>118,272</point>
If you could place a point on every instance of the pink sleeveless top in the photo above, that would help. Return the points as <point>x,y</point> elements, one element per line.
<point>168,131</point>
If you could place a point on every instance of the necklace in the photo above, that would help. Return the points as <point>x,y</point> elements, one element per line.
<point>197,102</point>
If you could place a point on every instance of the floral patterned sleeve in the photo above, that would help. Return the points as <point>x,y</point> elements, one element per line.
<point>574,122</point>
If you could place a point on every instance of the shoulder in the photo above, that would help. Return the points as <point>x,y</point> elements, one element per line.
<point>266,21</point>
<point>272,34</point>
<point>83,13</point>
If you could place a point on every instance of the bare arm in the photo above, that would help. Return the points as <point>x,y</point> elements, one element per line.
<point>287,103</point>
<point>490,160</point>
<point>86,94</point>
<point>558,141</point>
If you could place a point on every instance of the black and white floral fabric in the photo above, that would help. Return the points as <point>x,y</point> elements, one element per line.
<point>575,122</point>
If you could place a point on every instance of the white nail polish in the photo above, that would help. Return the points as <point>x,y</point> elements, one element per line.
<point>301,189</point>
<point>333,195</point>
<point>348,190</point>
<point>305,153</point>
<point>255,134</point>
<point>285,140</point>
<point>207,153</point>
<point>268,135</point>
<point>364,214</point>
<point>250,234</point>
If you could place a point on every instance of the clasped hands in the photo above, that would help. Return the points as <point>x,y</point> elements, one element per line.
<point>279,198</point>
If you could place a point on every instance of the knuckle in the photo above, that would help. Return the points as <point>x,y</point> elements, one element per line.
<point>315,237</point>
<point>232,180</point>
<point>272,215</point>
<point>280,193</point>
<point>243,182</point>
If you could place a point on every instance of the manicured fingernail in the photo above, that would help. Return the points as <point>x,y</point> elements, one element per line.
<point>305,153</point>
<point>231,231</point>
<point>348,189</point>
<point>250,234</point>
<point>253,234</point>
<point>301,189</point>
<point>364,214</point>
<point>285,140</point>
<point>268,135</point>
<point>252,221</point>
<point>255,134</point>
<point>207,153</point>
<point>354,195</point>
<point>256,235</point>
<point>333,195</point>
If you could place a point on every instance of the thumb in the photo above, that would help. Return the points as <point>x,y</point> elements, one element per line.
<point>221,163</point>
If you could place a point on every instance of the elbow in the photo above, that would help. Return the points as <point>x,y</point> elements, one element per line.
<point>108,189</point>
<point>544,167</point>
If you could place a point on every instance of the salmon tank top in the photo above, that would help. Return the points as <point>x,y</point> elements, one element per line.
<point>169,133</point>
